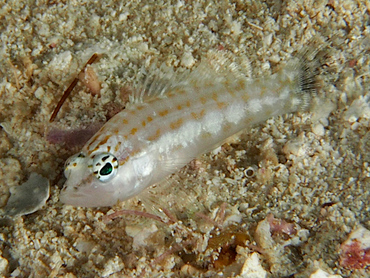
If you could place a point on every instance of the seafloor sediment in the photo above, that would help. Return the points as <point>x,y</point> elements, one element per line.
<point>307,185</point>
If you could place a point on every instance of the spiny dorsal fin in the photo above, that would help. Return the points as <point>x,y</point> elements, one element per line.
<point>215,66</point>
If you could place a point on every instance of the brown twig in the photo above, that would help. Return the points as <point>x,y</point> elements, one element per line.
<point>71,87</point>
<point>172,218</point>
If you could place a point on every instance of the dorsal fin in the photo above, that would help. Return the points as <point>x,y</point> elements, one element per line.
<point>158,81</point>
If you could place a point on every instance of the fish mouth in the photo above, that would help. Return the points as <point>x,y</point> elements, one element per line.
<point>68,197</point>
<point>85,197</point>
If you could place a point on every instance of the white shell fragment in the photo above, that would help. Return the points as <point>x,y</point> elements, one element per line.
<point>252,268</point>
<point>28,197</point>
<point>322,274</point>
<point>360,108</point>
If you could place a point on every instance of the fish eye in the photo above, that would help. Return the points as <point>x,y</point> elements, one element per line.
<point>105,166</point>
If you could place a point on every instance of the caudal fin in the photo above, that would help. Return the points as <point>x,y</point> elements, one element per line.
<point>309,66</point>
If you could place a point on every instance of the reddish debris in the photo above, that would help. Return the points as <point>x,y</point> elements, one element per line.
<point>52,45</point>
<point>355,251</point>
<point>353,256</point>
<point>352,63</point>
<point>90,79</point>
<point>279,226</point>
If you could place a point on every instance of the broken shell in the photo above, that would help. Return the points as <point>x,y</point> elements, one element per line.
<point>28,197</point>
<point>251,171</point>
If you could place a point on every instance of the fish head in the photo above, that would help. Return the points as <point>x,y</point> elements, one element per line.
<point>91,180</point>
<point>102,180</point>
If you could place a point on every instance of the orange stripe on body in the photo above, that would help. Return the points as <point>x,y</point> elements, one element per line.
<point>155,136</point>
<point>221,105</point>
<point>177,124</point>
<point>133,131</point>
<point>116,148</point>
<point>163,113</point>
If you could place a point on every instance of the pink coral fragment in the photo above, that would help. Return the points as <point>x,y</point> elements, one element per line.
<point>355,251</point>
<point>353,256</point>
<point>279,226</point>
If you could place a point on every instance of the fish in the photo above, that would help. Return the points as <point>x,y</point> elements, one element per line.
<point>174,119</point>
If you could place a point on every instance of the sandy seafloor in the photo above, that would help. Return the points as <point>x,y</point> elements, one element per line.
<point>312,168</point>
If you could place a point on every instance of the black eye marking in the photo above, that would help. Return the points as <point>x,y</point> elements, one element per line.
<point>104,166</point>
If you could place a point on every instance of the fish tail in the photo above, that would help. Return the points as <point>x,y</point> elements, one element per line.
<point>309,68</point>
